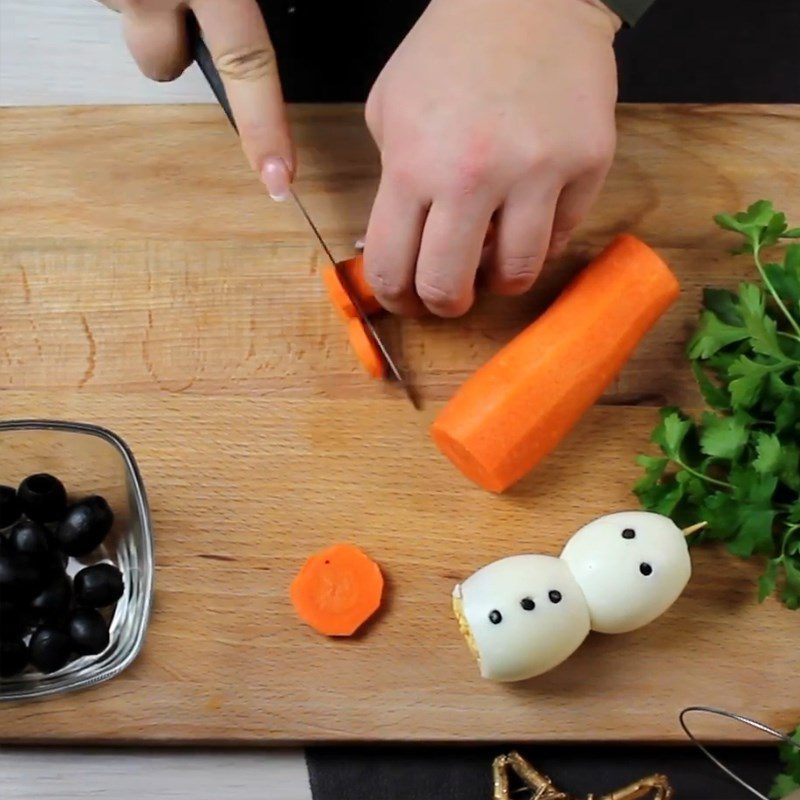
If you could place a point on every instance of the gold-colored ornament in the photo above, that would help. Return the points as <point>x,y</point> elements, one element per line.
<point>653,787</point>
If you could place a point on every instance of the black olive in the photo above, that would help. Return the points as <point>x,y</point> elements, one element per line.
<point>645,569</point>
<point>98,586</point>
<point>527,604</point>
<point>53,602</point>
<point>49,649</point>
<point>13,657</point>
<point>13,623</point>
<point>85,526</point>
<point>495,617</point>
<point>31,539</point>
<point>19,579</point>
<point>629,533</point>
<point>42,497</point>
<point>9,506</point>
<point>88,631</point>
<point>554,595</point>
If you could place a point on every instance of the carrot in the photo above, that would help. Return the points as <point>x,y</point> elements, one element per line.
<point>366,350</point>
<point>337,590</point>
<point>354,269</point>
<point>516,408</point>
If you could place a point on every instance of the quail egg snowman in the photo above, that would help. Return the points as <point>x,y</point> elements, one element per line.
<point>525,614</point>
<point>632,566</point>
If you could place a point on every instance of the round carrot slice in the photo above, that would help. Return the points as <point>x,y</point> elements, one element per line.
<point>337,590</point>
<point>366,350</point>
<point>354,269</point>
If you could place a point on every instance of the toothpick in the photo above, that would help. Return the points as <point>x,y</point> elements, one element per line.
<point>694,528</point>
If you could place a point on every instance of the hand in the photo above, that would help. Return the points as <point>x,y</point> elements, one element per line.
<point>489,107</point>
<point>237,38</point>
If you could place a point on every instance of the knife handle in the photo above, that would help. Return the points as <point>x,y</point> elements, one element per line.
<point>202,56</point>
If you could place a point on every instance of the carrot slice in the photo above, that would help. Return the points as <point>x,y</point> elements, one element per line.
<point>337,590</point>
<point>354,268</point>
<point>516,408</point>
<point>366,350</point>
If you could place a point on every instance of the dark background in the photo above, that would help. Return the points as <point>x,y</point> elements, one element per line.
<point>685,51</point>
<point>681,51</point>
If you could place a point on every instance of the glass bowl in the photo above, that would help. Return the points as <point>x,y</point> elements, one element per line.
<point>89,460</point>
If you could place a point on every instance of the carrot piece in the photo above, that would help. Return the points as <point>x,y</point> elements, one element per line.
<point>337,590</point>
<point>516,408</point>
<point>354,268</point>
<point>366,350</point>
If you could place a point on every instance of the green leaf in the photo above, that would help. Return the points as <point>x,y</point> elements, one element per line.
<point>754,534</point>
<point>723,515</point>
<point>792,233</point>
<point>790,466</point>
<point>748,380</point>
<point>724,304</point>
<point>758,214</point>
<point>729,223</point>
<point>787,414</point>
<point>769,455</point>
<point>723,437</point>
<point>767,583</point>
<point>714,395</point>
<point>751,488</point>
<point>784,282</point>
<point>649,488</point>
<point>783,786</point>
<point>763,329</point>
<point>774,229</point>
<point>791,586</point>
<point>671,432</point>
<point>712,335</point>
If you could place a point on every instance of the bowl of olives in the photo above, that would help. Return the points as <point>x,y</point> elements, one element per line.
<point>76,557</point>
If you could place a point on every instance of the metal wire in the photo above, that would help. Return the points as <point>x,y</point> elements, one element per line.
<point>737,718</point>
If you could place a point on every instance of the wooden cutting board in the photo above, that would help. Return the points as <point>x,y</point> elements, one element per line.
<point>146,284</point>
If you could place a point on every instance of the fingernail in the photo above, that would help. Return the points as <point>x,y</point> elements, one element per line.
<point>275,176</point>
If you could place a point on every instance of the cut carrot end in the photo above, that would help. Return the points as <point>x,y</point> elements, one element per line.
<point>365,349</point>
<point>469,465</point>
<point>337,590</point>
<point>518,406</point>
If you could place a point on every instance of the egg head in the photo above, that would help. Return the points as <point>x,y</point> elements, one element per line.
<point>631,566</point>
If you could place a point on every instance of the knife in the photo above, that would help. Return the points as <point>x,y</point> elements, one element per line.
<point>203,59</point>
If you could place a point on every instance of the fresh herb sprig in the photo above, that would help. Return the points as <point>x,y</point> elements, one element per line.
<point>789,780</point>
<point>737,466</point>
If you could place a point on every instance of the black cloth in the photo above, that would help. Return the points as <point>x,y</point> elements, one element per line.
<point>450,773</point>
<point>681,51</point>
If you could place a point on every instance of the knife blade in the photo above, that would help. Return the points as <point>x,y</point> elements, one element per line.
<point>204,61</point>
<point>344,279</point>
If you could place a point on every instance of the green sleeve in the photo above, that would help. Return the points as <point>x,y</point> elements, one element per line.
<point>629,11</point>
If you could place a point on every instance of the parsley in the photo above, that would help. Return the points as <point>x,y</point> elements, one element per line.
<point>738,465</point>
<point>789,780</point>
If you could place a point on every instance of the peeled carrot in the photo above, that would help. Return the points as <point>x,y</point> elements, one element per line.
<point>366,350</point>
<point>516,408</point>
<point>337,590</point>
<point>354,269</point>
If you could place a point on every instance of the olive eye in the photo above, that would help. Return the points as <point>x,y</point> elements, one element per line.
<point>555,596</point>
<point>527,604</point>
<point>629,533</point>
<point>645,568</point>
<point>495,617</point>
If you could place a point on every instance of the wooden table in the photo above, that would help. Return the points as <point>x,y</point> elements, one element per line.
<point>148,285</point>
